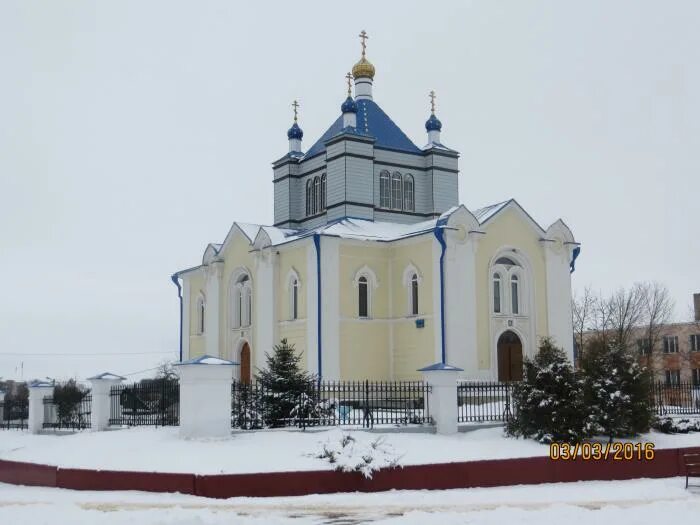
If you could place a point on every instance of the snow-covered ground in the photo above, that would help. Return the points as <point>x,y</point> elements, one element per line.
<point>161,450</point>
<point>625,502</point>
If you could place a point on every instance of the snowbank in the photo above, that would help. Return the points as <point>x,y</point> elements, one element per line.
<point>161,450</point>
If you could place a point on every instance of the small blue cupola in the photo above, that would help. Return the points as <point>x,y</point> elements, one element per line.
<point>295,134</point>
<point>433,125</point>
<point>349,107</point>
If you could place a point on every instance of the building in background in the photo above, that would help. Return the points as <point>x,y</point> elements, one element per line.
<point>373,269</point>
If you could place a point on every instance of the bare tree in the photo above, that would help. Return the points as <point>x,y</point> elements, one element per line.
<point>626,311</point>
<point>166,371</point>
<point>583,310</point>
<point>657,308</point>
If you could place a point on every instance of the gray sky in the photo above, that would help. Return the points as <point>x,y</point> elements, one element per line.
<point>132,133</point>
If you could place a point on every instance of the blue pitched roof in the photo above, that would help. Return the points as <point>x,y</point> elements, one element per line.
<point>371,122</point>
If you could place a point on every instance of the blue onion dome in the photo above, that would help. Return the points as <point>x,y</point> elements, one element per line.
<point>349,106</point>
<point>295,132</point>
<point>433,124</point>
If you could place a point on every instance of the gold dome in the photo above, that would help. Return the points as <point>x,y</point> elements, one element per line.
<point>363,68</point>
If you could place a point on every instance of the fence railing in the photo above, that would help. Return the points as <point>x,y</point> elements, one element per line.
<point>483,401</point>
<point>154,403</point>
<point>74,415</point>
<point>14,413</point>
<point>676,398</point>
<point>330,403</point>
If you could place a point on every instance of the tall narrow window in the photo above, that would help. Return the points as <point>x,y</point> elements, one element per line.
<point>695,343</point>
<point>396,191</point>
<point>670,344</point>
<point>201,308</point>
<point>384,190</point>
<point>696,376</point>
<point>514,299</point>
<point>409,203</point>
<point>363,297</point>
<point>317,194</point>
<point>496,293</point>
<point>323,192</point>
<point>248,308</point>
<point>414,294</point>
<point>309,189</point>
<point>673,377</point>
<point>294,299</point>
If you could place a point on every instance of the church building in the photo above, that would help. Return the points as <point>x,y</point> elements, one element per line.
<point>373,269</point>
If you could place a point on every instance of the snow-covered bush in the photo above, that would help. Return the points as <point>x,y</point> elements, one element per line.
<point>548,402</point>
<point>616,391</point>
<point>677,425</point>
<point>348,453</point>
<point>308,411</point>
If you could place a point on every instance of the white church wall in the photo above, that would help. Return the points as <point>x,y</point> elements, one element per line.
<point>559,296</point>
<point>330,307</point>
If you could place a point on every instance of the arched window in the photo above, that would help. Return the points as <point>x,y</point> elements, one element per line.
<point>514,294</point>
<point>241,302</point>
<point>323,192</point>
<point>294,299</point>
<point>496,293</point>
<point>309,204</point>
<point>201,310</point>
<point>414,294</point>
<point>396,191</point>
<point>317,194</point>
<point>409,203</point>
<point>384,190</point>
<point>363,297</point>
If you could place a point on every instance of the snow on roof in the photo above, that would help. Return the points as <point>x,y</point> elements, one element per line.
<point>107,375</point>
<point>206,360</point>
<point>484,214</point>
<point>250,230</point>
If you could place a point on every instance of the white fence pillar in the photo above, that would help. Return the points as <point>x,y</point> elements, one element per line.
<point>442,398</point>
<point>38,390</point>
<point>205,397</point>
<point>101,385</point>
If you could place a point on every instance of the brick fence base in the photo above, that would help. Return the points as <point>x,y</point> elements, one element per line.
<point>485,473</point>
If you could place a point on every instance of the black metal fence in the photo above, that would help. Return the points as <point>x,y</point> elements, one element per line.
<point>483,401</point>
<point>331,403</point>
<point>676,399</point>
<point>154,403</point>
<point>68,414</point>
<point>14,413</point>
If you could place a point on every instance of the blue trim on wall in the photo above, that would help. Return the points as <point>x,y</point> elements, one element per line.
<point>317,244</point>
<point>175,278</point>
<point>572,264</point>
<point>440,236</point>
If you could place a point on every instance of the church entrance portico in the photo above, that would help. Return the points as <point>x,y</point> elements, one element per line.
<point>510,357</point>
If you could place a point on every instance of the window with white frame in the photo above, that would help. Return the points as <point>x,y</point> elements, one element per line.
<point>695,374</point>
<point>362,297</point>
<point>241,302</point>
<point>644,346</point>
<point>323,192</point>
<point>396,191</point>
<point>309,197</point>
<point>514,296</point>
<point>409,200</point>
<point>201,311</point>
<point>497,293</point>
<point>414,294</point>
<point>316,195</point>
<point>294,298</point>
<point>670,344</point>
<point>673,377</point>
<point>384,190</point>
<point>695,343</point>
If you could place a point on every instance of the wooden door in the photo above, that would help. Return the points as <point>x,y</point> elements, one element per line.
<point>245,364</point>
<point>510,357</point>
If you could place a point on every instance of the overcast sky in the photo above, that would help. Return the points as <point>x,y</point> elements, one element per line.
<point>132,133</point>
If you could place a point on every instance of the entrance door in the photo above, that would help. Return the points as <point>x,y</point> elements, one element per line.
<point>510,357</point>
<point>245,364</point>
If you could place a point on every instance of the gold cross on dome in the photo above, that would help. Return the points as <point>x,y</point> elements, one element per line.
<point>295,105</point>
<point>363,36</point>
<point>348,77</point>
<point>432,101</point>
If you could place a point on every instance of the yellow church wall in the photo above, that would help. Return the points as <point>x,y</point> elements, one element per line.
<point>364,349</point>
<point>364,343</point>
<point>197,285</point>
<point>236,255</point>
<point>413,348</point>
<point>292,257</point>
<point>508,228</point>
